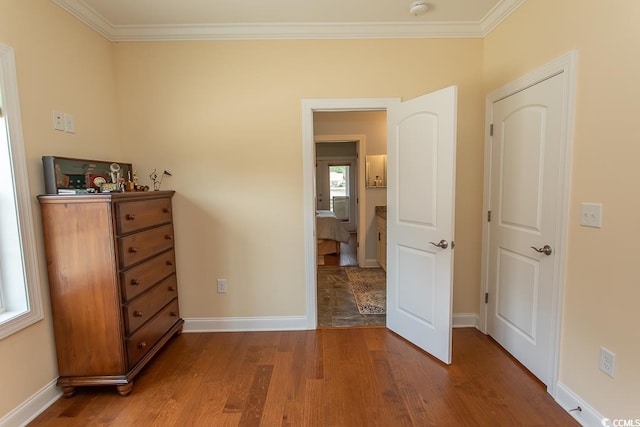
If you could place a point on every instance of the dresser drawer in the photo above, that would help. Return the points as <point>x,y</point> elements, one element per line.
<point>141,277</point>
<point>132,216</point>
<point>143,308</point>
<point>144,339</point>
<point>140,246</point>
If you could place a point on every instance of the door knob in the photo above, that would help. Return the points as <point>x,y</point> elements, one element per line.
<point>546,249</point>
<point>441,244</point>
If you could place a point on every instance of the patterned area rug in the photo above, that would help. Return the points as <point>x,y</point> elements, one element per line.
<point>369,289</point>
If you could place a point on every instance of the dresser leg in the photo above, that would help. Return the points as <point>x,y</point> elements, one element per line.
<point>125,389</point>
<point>68,391</point>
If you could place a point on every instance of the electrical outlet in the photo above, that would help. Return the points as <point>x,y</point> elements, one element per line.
<point>222,286</point>
<point>58,120</point>
<point>607,361</point>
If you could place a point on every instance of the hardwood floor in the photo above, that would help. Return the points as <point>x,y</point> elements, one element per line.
<point>327,377</point>
<point>347,256</point>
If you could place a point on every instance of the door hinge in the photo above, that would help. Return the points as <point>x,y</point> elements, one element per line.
<point>491,129</point>
<point>486,297</point>
<point>488,216</point>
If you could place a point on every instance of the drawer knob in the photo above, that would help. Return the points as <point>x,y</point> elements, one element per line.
<point>165,210</point>
<point>173,314</point>
<point>138,313</point>
<point>135,282</point>
<point>133,250</point>
<point>168,237</point>
<point>142,345</point>
<point>130,217</point>
<point>172,289</point>
<point>169,262</point>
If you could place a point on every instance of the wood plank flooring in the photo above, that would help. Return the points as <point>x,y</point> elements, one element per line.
<point>326,377</point>
<point>347,257</point>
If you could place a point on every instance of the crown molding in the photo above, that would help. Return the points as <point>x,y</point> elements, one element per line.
<point>499,13</point>
<point>289,31</point>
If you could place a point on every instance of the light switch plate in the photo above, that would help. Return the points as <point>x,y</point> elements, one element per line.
<point>591,215</point>
<point>69,123</point>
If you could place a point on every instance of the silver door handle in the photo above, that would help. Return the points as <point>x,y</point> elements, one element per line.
<point>546,249</point>
<point>441,244</point>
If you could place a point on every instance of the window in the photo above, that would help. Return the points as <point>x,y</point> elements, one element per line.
<point>339,191</point>
<point>20,302</point>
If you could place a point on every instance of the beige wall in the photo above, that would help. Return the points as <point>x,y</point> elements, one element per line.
<point>601,291</point>
<point>61,64</point>
<point>225,119</point>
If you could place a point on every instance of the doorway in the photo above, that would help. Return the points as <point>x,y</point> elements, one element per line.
<point>430,118</point>
<point>342,139</point>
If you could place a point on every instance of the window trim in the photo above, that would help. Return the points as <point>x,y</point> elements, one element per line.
<point>11,322</point>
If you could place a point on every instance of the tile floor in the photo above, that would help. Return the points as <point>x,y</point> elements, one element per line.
<point>336,305</point>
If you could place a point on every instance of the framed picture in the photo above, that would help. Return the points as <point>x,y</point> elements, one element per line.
<point>65,175</point>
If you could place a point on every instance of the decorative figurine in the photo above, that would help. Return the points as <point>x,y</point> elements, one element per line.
<point>154,177</point>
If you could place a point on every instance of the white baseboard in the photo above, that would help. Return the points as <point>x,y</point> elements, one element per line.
<point>285,323</point>
<point>32,407</point>
<point>239,324</point>
<point>370,263</point>
<point>465,320</point>
<point>587,416</point>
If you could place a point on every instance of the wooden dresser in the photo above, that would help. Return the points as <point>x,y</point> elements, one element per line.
<point>112,279</point>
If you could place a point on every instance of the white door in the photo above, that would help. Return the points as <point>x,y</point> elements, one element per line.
<point>525,175</point>
<point>420,212</point>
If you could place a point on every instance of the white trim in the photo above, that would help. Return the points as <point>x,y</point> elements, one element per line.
<point>33,406</point>
<point>565,65</point>
<point>370,262</point>
<point>568,400</point>
<point>308,182</point>
<point>286,323</point>
<point>465,320</point>
<point>293,30</point>
<point>11,105</point>
<point>245,324</point>
<point>499,13</point>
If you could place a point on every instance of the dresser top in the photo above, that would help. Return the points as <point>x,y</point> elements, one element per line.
<point>104,197</point>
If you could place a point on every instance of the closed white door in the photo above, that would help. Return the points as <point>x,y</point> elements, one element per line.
<point>525,175</point>
<point>420,219</point>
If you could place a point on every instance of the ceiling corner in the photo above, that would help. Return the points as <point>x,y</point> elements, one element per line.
<point>499,13</point>
<point>88,16</point>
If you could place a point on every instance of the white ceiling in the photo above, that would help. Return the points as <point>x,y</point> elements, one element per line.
<point>286,19</point>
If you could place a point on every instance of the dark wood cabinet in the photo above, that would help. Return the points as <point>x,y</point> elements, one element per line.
<point>113,286</point>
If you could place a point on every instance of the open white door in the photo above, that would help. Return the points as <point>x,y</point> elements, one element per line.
<point>420,219</point>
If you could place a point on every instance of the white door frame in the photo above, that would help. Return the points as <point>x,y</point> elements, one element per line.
<point>309,106</point>
<point>565,65</point>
